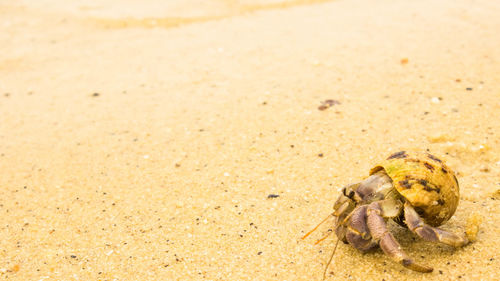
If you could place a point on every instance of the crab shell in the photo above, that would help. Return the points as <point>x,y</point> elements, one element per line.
<point>425,181</point>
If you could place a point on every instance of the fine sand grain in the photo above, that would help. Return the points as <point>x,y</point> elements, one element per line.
<point>199,140</point>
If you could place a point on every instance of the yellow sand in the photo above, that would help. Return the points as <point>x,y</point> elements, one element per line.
<point>140,140</point>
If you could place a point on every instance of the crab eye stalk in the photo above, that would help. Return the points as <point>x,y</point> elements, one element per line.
<point>348,195</point>
<point>351,194</point>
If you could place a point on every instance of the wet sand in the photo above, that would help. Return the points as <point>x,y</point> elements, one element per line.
<point>142,141</point>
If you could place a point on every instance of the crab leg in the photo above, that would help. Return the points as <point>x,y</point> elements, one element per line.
<point>358,234</point>
<point>380,233</point>
<point>429,233</point>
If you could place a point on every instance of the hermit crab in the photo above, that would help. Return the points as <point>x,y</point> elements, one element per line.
<point>415,189</point>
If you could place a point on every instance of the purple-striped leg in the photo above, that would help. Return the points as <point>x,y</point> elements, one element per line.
<point>358,234</point>
<point>380,233</point>
<point>429,233</point>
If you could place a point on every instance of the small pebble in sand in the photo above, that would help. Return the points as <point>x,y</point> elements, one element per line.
<point>95,94</point>
<point>472,228</point>
<point>271,196</point>
<point>468,89</point>
<point>404,61</point>
<point>436,100</point>
<point>331,102</point>
<point>485,169</point>
<point>439,138</point>
<point>327,104</point>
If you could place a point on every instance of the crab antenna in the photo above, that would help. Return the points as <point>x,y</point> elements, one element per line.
<point>330,260</point>
<point>322,239</point>
<point>307,234</point>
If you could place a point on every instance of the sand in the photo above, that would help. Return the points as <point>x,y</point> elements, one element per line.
<point>141,141</point>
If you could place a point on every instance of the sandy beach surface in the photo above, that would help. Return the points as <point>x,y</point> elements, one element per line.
<point>189,140</point>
